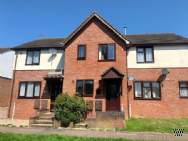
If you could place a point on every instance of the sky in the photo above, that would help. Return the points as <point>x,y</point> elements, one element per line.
<point>25,20</point>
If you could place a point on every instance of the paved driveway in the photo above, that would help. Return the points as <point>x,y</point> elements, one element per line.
<point>92,133</point>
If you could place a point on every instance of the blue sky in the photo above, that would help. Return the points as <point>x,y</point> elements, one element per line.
<point>25,20</point>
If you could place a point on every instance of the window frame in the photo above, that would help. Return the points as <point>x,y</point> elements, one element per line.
<point>144,51</point>
<point>183,87</point>
<point>32,63</point>
<point>85,50</point>
<point>106,60</point>
<point>142,94</point>
<point>26,86</point>
<point>84,89</point>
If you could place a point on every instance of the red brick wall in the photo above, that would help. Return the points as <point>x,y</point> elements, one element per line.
<point>170,105</point>
<point>94,34</point>
<point>5,87</point>
<point>24,108</point>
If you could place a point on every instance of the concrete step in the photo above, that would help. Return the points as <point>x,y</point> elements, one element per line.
<point>45,118</point>
<point>43,121</point>
<point>42,125</point>
<point>81,125</point>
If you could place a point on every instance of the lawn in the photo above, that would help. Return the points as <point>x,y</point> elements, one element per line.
<point>156,125</point>
<point>37,137</point>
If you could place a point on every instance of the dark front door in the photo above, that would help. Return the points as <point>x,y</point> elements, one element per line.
<point>55,88</point>
<point>113,90</point>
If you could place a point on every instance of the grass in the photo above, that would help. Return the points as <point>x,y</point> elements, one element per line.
<point>156,125</point>
<point>38,137</point>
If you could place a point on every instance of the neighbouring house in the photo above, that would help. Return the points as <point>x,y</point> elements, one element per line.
<point>6,67</point>
<point>144,75</point>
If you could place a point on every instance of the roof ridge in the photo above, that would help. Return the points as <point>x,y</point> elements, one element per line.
<point>159,33</point>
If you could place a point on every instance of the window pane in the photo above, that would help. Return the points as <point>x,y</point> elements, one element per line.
<point>138,89</point>
<point>149,54</point>
<point>37,89</point>
<point>89,87</point>
<point>184,92</point>
<point>22,89</point>
<point>156,89</point>
<point>140,50</point>
<point>146,90</point>
<point>111,51</point>
<point>183,84</point>
<point>102,52</point>
<point>79,87</point>
<point>140,57</point>
<point>29,57</point>
<point>30,87</point>
<point>81,51</point>
<point>36,56</point>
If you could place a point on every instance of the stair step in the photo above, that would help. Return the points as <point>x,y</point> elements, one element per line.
<point>43,121</point>
<point>81,125</point>
<point>44,118</point>
<point>41,125</point>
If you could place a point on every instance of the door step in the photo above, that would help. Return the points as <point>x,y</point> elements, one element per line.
<point>45,119</point>
<point>42,125</point>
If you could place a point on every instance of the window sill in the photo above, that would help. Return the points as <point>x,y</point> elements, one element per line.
<point>184,97</point>
<point>106,60</point>
<point>32,64</point>
<point>145,62</point>
<point>147,98</point>
<point>80,59</point>
<point>28,97</point>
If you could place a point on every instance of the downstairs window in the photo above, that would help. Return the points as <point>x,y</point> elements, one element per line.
<point>84,87</point>
<point>147,90</point>
<point>29,90</point>
<point>183,87</point>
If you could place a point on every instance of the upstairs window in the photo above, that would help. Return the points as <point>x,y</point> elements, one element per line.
<point>84,87</point>
<point>144,55</point>
<point>29,90</point>
<point>183,86</point>
<point>33,57</point>
<point>106,52</point>
<point>147,90</point>
<point>81,54</point>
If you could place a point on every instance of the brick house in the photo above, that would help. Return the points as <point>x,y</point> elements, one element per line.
<point>142,75</point>
<point>5,80</point>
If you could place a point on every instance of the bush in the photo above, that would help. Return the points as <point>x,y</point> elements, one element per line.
<point>69,109</point>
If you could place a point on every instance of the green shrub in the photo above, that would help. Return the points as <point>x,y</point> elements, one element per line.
<point>69,109</point>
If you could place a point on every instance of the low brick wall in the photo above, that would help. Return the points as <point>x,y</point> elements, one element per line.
<point>3,112</point>
<point>14,122</point>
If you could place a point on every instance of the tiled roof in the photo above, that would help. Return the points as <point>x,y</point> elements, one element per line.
<point>43,43</point>
<point>3,50</point>
<point>138,39</point>
<point>160,38</point>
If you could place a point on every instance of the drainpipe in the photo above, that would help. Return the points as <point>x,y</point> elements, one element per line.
<point>128,104</point>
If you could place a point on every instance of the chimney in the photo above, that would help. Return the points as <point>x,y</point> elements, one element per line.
<point>125,30</point>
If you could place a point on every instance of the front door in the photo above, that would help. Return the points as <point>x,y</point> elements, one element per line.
<point>113,90</point>
<point>55,88</point>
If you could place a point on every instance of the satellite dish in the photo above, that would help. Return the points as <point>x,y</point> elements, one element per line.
<point>53,51</point>
<point>164,71</point>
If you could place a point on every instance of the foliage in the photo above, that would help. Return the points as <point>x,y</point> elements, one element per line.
<point>69,109</point>
<point>156,125</point>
